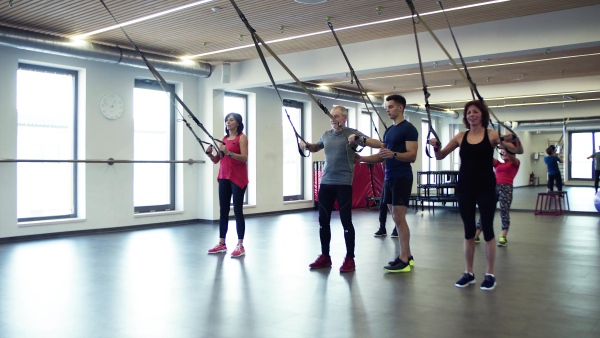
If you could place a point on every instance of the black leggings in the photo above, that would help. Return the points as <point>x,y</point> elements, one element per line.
<point>226,190</point>
<point>487,207</point>
<point>383,210</point>
<point>597,175</point>
<point>328,194</point>
<point>551,179</point>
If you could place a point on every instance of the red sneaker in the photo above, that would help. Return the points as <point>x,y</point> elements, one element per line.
<point>238,251</point>
<point>218,248</point>
<point>348,265</point>
<point>321,262</point>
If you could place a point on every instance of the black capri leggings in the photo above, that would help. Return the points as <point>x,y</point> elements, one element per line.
<point>486,201</point>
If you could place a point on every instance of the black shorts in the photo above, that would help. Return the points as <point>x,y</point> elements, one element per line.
<point>397,191</point>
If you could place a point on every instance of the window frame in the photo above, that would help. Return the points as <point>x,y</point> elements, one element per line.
<point>155,85</point>
<point>75,76</point>
<point>299,129</point>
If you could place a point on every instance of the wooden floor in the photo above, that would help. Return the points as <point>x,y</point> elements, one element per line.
<point>162,283</point>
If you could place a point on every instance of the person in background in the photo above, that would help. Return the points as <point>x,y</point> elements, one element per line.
<point>477,184</point>
<point>596,157</point>
<point>233,180</point>
<point>383,211</point>
<point>505,173</point>
<point>552,161</point>
<point>336,184</point>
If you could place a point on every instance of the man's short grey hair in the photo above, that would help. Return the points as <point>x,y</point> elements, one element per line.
<point>343,109</point>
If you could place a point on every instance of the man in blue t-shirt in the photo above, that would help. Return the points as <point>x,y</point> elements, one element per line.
<point>552,161</point>
<point>398,150</point>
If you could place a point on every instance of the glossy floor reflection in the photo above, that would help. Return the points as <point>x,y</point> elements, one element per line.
<point>162,283</point>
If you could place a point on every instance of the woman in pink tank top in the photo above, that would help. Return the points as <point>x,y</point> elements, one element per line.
<point>233,180</point>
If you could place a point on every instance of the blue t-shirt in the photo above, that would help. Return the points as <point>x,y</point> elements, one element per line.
<point>552,164</point>
<point>395,139</point>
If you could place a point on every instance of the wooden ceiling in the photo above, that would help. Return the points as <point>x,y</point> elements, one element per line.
<point>203,30</point>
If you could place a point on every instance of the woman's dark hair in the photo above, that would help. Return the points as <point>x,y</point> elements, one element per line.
<point>238,119</point>
<point>485,114</point>
<point>549,150</point>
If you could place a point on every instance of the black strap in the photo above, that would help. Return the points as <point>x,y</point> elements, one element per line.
<point>363,92</point>
<point>167,88</point>
<point>257,39</point>
<point>460,71</point>
<point>425,91</point>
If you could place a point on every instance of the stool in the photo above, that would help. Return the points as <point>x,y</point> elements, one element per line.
<point>562,196</point>
<point>543,204</point>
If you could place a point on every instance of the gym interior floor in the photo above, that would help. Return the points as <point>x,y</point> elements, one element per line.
<point>161,282</point>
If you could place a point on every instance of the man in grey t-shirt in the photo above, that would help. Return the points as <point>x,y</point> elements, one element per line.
<point>596,157</point>
<point>336,184</point>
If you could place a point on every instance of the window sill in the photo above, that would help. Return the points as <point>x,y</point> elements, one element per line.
<point>51,222</point>
<point>158,213</point>
<point>297,202</point>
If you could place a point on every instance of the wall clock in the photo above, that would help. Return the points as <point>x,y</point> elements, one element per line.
<point>111,106</point>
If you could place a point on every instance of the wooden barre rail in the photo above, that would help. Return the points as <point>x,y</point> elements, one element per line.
<point>110,161</point>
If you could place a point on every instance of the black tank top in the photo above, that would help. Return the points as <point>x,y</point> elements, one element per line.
<point>476,172</point>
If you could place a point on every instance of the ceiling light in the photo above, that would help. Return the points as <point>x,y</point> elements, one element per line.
<point>311,1</point>
<point>378,9</point>
<point>215,9</point>
<point>152,16</point>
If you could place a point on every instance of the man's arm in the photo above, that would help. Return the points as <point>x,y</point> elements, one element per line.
<point>312,147</point>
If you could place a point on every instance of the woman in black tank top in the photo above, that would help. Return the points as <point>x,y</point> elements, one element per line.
<point>476,184</point>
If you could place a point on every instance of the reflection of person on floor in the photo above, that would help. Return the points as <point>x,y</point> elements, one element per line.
<point>552,161</point>
<point>596,157</point>
<point>505,174</point>
<point>477,184</point>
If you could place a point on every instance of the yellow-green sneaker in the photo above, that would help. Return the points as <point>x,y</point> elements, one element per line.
<point>502,241</point>
<point>477,240</point>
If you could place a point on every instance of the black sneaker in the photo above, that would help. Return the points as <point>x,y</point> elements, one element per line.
<point>398,266</point>
<point>465,280</point>
<point>411,261</point>
<point>381,232</point>
<point>395,233</point>
<point>489,283</point>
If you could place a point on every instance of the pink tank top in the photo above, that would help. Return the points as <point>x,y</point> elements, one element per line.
<point>233,170</point>
<point>506,172</point>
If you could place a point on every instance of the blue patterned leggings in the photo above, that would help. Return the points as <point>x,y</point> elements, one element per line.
<point>505,196</point>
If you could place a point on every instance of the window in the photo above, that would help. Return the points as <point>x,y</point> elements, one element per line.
<point>365,125</point>
<point>153,139</point>
<point>582,144</point>
<point>46,129</point>
<point>293,163</point>
<point>236,103</point>
<point>427,164</point>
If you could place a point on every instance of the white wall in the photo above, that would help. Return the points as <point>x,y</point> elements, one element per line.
<point>106,190</point>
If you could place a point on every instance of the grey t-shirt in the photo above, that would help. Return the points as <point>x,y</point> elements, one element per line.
<point>339,156</point>
<point>596,159</point>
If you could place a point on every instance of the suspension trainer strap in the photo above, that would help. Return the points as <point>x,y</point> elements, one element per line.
<point>425,91</point>
<point>166,87</point>
<point>264,45</point>
<point>460,71</point>
<point>354,77</point>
